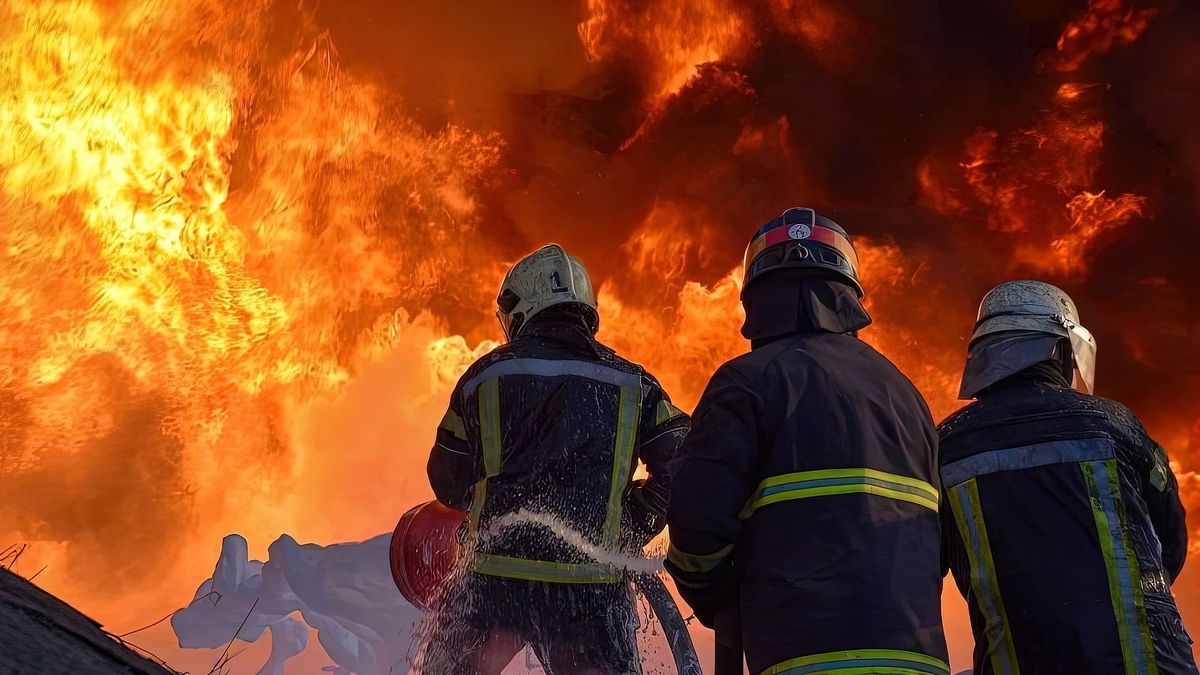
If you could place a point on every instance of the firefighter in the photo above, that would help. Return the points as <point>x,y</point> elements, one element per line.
<point>1061,517</point>
<point>804,512</point>
<point>551,423</point>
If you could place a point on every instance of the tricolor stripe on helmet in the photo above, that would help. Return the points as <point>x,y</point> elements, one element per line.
<point>819,233</point>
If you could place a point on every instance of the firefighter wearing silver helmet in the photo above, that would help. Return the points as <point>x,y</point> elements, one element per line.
<point>552,423</point>
<point>1062,522</point>
<point>1022,323</point>
<point>803,516</point>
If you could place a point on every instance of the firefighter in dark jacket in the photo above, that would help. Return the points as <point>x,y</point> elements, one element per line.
<point>805,501</point>
<point>539,446</point>
<point>1062,519</point>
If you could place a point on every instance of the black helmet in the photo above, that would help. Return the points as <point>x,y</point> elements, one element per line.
<point>801,239</point>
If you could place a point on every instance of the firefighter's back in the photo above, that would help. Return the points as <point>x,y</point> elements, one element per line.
<point>1048,535</point>
<point>839,551</point>
<point>562,418</point>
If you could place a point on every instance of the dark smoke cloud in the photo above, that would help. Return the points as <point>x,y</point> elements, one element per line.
<point>852,123</point>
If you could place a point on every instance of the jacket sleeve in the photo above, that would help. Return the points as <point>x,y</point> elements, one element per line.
<point>662,432</point>
<point>1160,491</point>
<point>715,475</point>
<point>453,462</point>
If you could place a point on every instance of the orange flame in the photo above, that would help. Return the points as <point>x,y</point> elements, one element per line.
<point>232,274</point>
<point>192,256</point>
<point>1036,183</point>
<point>1105,24</point>
<point>676,38</point>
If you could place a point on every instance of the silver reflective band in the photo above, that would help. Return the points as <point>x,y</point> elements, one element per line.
<point>554,368</point>
<point>1027,457</point>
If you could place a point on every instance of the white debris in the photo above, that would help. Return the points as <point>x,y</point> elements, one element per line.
<point>344,591</point>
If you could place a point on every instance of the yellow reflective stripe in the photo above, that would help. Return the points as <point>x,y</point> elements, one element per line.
<point>856,670</point>
<point>690,562</point>
<point>489,434</point>
<point>841,490</point>
<point>628,414</point>
<point>968,515</point>
<point>862,661</point>
<point>853,472</point>
<point>542,570</point>
<point>666,412</point>
<point>1120,563</point>
<point>452,423</point>
<point>826,482</point>
<point>478,495</point>
<point>489,426</point>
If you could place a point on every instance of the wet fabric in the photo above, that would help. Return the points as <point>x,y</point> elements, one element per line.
<point>1063,529</point>
<point>792,301</point>
<point>490,620</point>
<point>805,499</point>
<point>554,423</point>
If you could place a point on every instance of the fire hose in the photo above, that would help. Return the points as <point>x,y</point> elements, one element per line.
<point>425,545</point>
<point>674,627</point>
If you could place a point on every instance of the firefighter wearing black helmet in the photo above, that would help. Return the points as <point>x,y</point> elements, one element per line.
<point>1062,519</point>
<point>804,509</point>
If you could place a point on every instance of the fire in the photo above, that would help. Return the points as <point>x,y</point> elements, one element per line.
<point>1036,184</point>
<point>192,257</point>
<point>1091,216</point>
<point>682,341</point>
<point>1104,25</point>
<point>240,271</point>
<point>676,38</point>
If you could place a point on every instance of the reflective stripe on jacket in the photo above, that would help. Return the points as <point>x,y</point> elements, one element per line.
<point>806,496</point>
<point>544,434</point>
<point>1060,524</point>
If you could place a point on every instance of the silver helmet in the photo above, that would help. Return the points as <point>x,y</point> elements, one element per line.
<point>1033,317</point>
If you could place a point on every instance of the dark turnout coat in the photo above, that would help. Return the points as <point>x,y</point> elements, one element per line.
<point>551,426</point>
<point>555,423</point>
<point>806,496</point>
<point>1064,531</point>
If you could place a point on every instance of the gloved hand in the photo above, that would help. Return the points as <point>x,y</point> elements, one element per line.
<point>640,522</point>
<point>708,593</point>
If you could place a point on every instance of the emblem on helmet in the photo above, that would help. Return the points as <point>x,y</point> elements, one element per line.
<point>800,231</point>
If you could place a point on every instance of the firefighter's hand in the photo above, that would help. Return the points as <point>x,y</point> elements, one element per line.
<point>708,593</point>
<point>640,522</point>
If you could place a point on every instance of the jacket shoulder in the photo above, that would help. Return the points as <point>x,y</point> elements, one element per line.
<point>527,349</point>
<point>1124,421</point>
<point>503,352</point>
<point>610,357</point>
<point>958,418</point>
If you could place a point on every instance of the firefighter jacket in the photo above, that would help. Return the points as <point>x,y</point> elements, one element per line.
<point>806,495</point>
<point>553,424</point>
<point>1064,530</point>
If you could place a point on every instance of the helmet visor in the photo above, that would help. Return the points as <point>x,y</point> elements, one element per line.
<point>1083,348</point>
<point>505,320</point>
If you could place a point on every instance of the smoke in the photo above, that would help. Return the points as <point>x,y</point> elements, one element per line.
<point>245,248</point>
